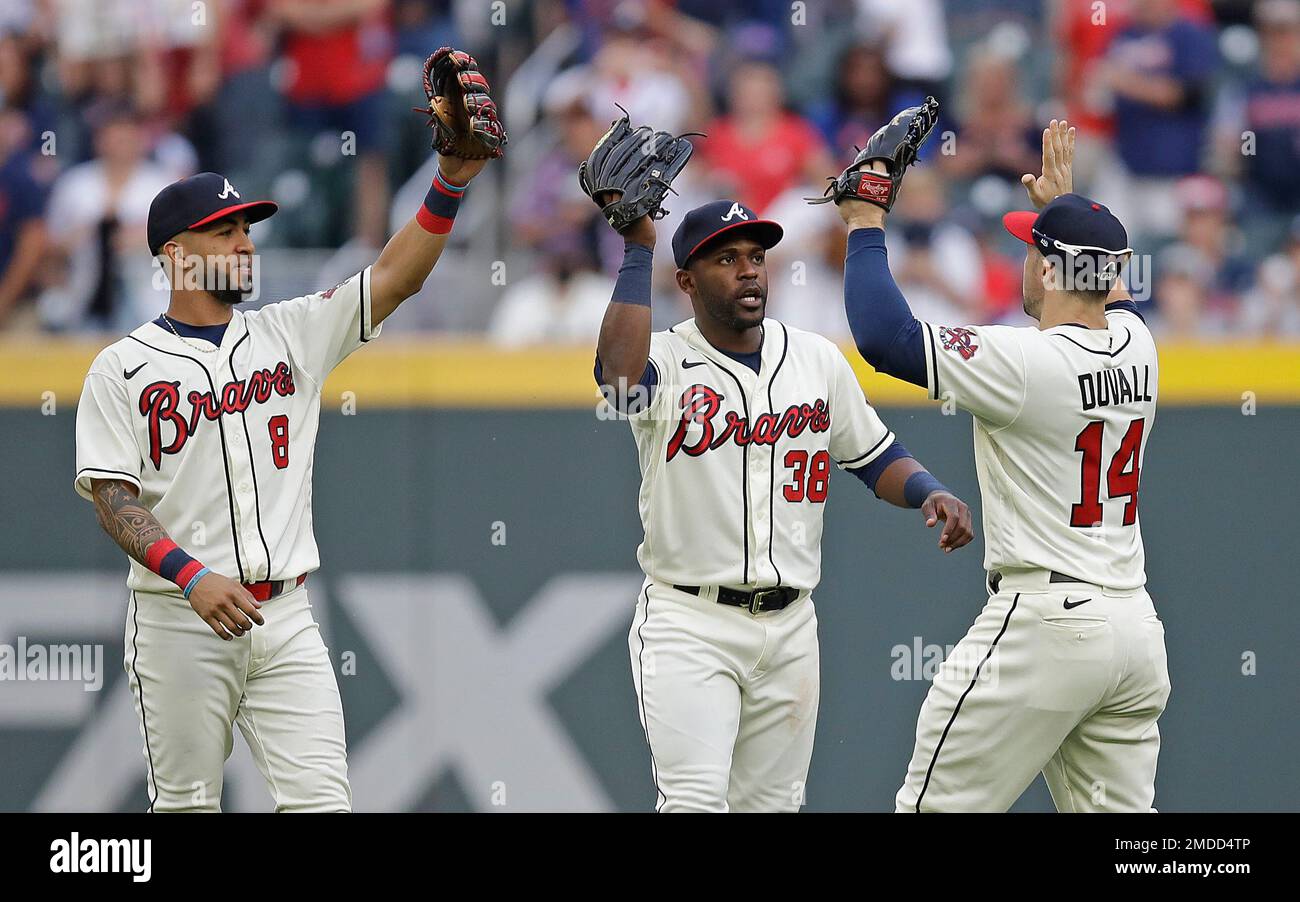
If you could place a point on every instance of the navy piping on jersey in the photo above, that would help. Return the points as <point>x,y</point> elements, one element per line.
<point>144,715</point>
<point>133,476</point>
<point>771,475</point>
<point>645,721</point>
<point>252,465</point>
<point>214,334</point>
<point>1128,338</point>
<point>1126,305</point>
<point>225,463</point>
<point>362,328</point>
<point>934,360</point>
<point>868,452</point>
<point>951,720</point>
<point>744,473</point>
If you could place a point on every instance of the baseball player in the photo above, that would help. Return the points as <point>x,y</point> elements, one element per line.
<point>1064,670</point>
<point>195,439</point>
<point>738,420</point>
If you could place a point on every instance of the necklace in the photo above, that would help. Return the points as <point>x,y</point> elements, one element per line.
<point>168,320</point>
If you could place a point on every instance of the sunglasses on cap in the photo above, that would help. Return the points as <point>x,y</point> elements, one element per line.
<point>1075,250</point>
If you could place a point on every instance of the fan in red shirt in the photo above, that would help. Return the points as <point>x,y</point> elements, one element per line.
<point>338,53</point>
<point>759,150</point>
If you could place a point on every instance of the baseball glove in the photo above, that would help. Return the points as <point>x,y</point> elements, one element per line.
<point>461,113</point>
<point>896,143</point>
<point>639,163</point>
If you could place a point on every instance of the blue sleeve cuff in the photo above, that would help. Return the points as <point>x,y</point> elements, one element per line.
<point>871,473</point>
<point>634,276</point>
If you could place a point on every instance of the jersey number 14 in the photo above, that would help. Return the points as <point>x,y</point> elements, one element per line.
<point>1121,475</point>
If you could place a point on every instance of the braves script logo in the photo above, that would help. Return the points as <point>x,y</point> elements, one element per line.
<point>700,404</point>
<point>160,402</point>
<point>955,338</point>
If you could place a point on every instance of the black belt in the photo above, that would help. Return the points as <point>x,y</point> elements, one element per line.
<point>1054,577</point>
<point>757,600</point>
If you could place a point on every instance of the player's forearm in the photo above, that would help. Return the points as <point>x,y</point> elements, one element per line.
<point>137,532</point>
<point>410,255</point>
<point>893,481</point>
<point>907,483</point>
<point>403,265</point>
<point>886,333</point>
<point>128,522</point>
<point>624,344</point>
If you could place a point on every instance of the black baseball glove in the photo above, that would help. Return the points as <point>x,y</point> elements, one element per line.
<point>638,163</point>
<point>896,143</point>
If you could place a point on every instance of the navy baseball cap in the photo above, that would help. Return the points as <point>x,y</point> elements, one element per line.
<point>703,224</point>
<point>193,202</point>
<point>1072,225</point>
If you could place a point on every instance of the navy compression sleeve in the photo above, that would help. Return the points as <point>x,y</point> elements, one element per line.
<point>871,473</point>
<point>632,287</point>
<point>887,334</point>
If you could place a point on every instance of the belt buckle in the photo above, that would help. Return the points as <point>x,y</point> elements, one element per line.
<point>758,596</point>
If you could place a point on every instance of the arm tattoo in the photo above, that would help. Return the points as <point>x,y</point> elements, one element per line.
<point>130,524</point>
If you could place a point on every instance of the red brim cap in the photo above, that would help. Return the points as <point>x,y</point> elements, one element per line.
<point>257,211</point>
<point>1021,224</point>
<point>767,232</point>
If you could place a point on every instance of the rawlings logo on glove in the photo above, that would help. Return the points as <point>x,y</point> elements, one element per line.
<point>896,144</point>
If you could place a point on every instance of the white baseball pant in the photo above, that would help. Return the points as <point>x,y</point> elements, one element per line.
<point>276,682</point>
<point>1035,686</point>
<point>728,700</point>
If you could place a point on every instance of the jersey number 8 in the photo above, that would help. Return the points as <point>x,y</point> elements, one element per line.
<point>278,426</point>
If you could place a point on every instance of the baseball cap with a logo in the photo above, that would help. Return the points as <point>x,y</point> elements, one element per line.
<point>1073,228</point>
<point>703,224</point>
<point>194,202</point>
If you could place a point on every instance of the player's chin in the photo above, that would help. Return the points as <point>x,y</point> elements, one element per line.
<point>232,296</point>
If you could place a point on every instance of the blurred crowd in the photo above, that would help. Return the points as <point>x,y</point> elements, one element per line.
<point>1188,114</point>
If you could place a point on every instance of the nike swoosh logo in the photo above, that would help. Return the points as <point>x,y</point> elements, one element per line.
<point>1069,604</point>
<point>687,366</point>
<point>134,371</point>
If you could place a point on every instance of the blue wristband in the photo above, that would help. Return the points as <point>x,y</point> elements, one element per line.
<point>633,285</point>
<point>919,486</point>
<point>194,581</point>
<point>438,213</point>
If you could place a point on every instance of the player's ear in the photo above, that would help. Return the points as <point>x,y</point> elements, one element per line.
<point>685,280</point>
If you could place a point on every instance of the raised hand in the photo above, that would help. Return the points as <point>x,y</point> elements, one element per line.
<point>1058,165</point>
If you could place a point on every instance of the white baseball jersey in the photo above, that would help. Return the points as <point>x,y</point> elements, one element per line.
<point>1061,418</point>
<point>220,440</point>
<point>735,464</point>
